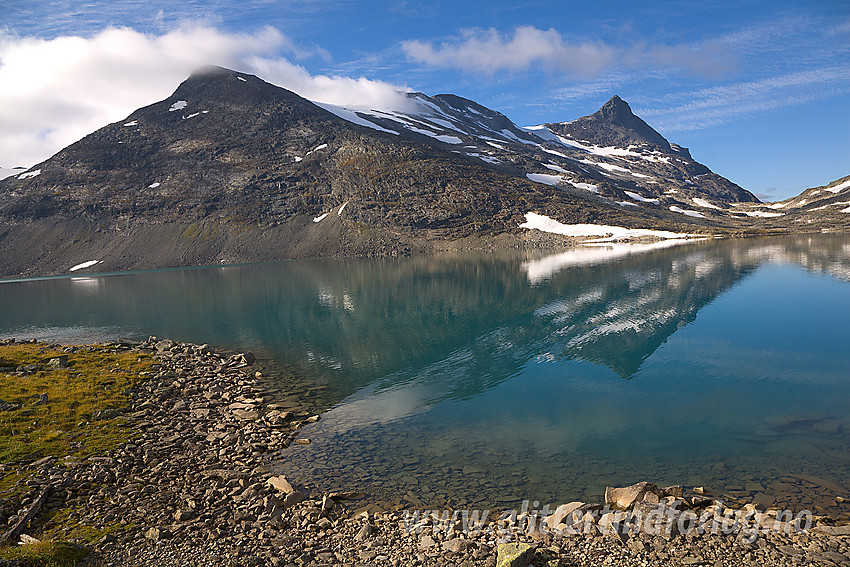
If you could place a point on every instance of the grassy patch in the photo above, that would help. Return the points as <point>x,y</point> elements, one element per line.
<point>45,554</point>
<point>96,379</point>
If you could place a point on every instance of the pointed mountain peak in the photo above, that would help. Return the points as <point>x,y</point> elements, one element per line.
<point>616,104</point>
<point>616,124</point>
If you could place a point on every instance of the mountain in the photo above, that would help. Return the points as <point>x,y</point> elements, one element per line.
<point>616,125</point>
<point>612,153</point>
<point>824,208</point>
<point>230,168</point>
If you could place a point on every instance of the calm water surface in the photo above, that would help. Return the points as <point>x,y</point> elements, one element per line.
<point>487,379</point>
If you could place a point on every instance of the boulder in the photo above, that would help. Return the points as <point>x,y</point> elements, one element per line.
<point>58,362</point>
<point>624,498</point>
<point>514,555</point>
<point>657,519</point>
<point>562,515</point>
<point>157,534</point>
<point>280,483</point>
<point>364,533</point>
<point>293,498</point>
<point>105,414</point>
<point>832,530</point>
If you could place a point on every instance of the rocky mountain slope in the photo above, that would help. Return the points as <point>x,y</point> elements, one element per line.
<point>230,168</point>
<point>825,208</point>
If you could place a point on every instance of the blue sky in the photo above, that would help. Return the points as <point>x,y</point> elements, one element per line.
<point>760,91</point>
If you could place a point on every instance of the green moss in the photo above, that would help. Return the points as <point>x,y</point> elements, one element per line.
<point>94,380</point>
<point>45,554</point>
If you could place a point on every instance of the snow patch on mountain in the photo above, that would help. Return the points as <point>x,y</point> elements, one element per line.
<point>703,203</point>
<point>586,186</point>
<point>30,174</point>
<point>352,117</point>
<point>840,187</point>
<point>606,232</point>
<point>84,265</point>
<point>762,214</point>
<point>641,198</point>
<point>687,212</point>
<point>545,178</point>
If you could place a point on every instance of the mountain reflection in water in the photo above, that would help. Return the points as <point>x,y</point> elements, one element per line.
<point>554,373</point>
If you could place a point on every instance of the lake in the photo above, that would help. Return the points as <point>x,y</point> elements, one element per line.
<point>481,380</point>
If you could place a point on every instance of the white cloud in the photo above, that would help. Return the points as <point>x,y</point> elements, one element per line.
<point>489,52</point>
<point>717,105</point>
<point>53,92</point>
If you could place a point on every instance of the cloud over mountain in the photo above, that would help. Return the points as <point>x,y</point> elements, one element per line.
<point>54,91</point>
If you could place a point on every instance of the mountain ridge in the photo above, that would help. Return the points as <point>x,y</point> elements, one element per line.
<point>230,168</point>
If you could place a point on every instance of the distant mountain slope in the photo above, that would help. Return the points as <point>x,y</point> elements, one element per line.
<point>824,208</point>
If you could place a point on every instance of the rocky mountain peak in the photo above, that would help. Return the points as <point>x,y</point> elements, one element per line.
<point>615,124</point>
<point>616,110</point>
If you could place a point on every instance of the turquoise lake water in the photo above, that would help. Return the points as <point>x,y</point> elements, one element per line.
<point>483,380</point>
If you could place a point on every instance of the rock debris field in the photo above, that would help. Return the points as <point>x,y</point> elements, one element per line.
<point>196,485</point>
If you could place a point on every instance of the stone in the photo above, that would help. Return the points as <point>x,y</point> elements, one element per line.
<point>561,513</point>
<point>364,533</point>
<point>612,522</point>
<point>293,498</point>
<point>514,555</point>
<point>763,500</point>
<point>105,414</point>
<point>426,542</point>
<point>624,498</point>
<point>183,515</point>
<point>674,491</point>
<point>457,545</point>
<point>657,519</point>
<point>42,399</point>
<point>157,534</point>
<point>835,557</point>
<point>832,530</point>
<point>58,362</point>
<point>281,484</point>
<point>246,415</point>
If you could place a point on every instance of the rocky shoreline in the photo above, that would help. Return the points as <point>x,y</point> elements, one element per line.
<point>197,486</point>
